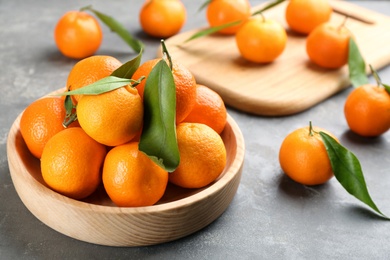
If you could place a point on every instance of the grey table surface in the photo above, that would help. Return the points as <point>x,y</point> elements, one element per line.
<point>271,217</point>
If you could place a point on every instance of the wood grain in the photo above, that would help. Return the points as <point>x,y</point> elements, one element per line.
<point>96,220</point>
<point>291,83</point>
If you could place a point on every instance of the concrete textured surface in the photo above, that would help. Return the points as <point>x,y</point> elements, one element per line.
<point>271,217</point>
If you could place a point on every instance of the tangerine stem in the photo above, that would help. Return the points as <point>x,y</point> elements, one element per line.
<point>310,129</point>
<point>134,83</point>
<point>376,76</point>
<point>344,21</point>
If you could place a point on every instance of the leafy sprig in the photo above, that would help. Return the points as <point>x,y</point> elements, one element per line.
<point>348,171</point>
<point>214,29</point>
<point>118,28</point>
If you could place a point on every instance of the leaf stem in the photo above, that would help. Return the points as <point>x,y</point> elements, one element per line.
<point>166,53</point>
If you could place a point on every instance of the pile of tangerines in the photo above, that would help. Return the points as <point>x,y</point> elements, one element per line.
<point>262,40</point>
<point>102,145</point>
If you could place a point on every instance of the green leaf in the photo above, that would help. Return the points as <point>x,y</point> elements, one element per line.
<point>210,30</point>
<point>204,5</point>
<point>70,115</point>
<point>378,79</point>
<point>115,26</point>
<point>127,70</point>
<point>158,139</point>
<point>101,86</point>
<point>347,170</point>
<point>268,6</point>
<point>387,87</point>
<point>356,65</point>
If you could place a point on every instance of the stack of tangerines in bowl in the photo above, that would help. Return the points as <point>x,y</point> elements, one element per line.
<point>81,171</point>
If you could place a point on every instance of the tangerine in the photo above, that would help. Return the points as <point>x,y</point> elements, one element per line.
<point>184,81</point>
<point>202,156</point>
<point>303,16</point>
<point>261,40</point>
<point>220,12</point>
<point>131,178</point>
<point>71,163</point>
<point>78,34</point>
<point>209,109</point>
<point>90,70</point>
<point>40,121</point>
<point>367,110</point>
<point>162,18</point>
<point>303,156</point>
<point>328,45</point>
<point>111,118</point>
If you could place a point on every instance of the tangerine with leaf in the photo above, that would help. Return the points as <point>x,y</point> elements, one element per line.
<point>111,118</point>
<point>184,81</point>
<point>261,40</point>
<point>303,156</point>
<point>90,70</point>
<point>221,12</point>
<point>40,121</point>
<point>132,179</point>
<point>327,45</point>
<point>367,109</point>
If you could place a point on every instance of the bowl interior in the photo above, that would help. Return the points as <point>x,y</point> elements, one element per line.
<point>173,193</point>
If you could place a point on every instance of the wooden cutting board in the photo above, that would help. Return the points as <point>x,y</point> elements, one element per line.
<point>291,83</point>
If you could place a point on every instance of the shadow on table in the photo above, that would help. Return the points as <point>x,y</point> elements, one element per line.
<point>297,190</point>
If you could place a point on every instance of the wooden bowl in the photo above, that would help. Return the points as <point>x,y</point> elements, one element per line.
<point>97,220</point>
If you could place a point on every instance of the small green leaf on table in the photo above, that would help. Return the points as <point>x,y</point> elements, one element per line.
<point>347,170</point>
<point>158,139</point>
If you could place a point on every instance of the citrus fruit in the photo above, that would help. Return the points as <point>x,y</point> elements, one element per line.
<point>184,81</point>
<point>111,118</point>
<point>202,156</point>
<point>261,40</point>
<point>303,156</point>
<point>220,12</point>
<point>209,109</point>
<point>162,18</point>
<point>40,121</point>
<point>71,163</point>
<point>78,34</point>
<point>303,16</point>
<point>327,46</point>
<point>131,179</point>
<point>90,70</point>
<point>367,110</point>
